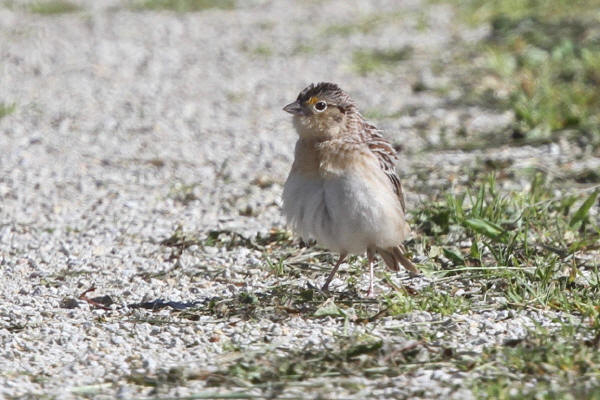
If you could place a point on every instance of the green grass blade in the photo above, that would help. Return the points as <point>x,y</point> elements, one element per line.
<point>583,211</point>
<point>487,228</point>
<point>454,255</point>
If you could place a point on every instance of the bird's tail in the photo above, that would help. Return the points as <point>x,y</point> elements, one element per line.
<point>394,256</point>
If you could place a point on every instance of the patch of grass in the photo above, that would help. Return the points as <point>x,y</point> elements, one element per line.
<point>182,6</point>
<point>181,239</point>
<point>366,61</point>
<point>356,355</point>
<point>476,12</point>
<point>547,365</point>
<point>376,114</point>
<point>230,239</point>
<point>547,58</point>
<point>53,7</point>
<point>276,304</point>
<point>226,239</point>
<point>263,51</point>
<point>528,243</point>
<point>7,109</point>
<point>303,48</point>
<point>163,377</point>
<point>554,88</point>
<point>422,22</point>
<point>364,25</point>
<point>178,242</point>
<point>277,267</point>
<point>430,299</point>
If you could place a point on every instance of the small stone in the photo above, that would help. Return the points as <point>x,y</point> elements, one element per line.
<point>69,302</point>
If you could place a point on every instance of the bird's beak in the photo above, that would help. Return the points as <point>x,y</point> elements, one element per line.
<point>294,108</point>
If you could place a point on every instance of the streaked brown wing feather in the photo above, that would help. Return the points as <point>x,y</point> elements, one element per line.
<point>386,155</point>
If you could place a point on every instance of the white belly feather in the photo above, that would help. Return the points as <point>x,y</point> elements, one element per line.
<point>344,213</point>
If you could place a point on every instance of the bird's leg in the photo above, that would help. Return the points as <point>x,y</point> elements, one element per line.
<point>370,257</point>
<point>330,277</point>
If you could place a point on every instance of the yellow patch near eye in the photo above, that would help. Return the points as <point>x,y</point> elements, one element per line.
<point>312,100</point>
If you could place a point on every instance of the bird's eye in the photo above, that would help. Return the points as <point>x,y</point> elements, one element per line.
<point>320,106</point>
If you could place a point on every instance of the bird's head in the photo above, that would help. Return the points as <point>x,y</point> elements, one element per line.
<point>321,111</point>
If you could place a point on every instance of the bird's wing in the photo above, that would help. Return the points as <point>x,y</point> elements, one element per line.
<point>386,154</point>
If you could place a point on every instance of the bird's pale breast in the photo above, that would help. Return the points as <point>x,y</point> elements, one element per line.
<point>338,195</point>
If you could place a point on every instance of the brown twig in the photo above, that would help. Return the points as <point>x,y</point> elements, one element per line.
<point>83,296</point>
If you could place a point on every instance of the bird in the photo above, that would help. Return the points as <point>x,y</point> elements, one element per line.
<point>342,189</point>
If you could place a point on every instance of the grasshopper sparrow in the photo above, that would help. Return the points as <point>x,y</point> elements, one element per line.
<point>342,189</point>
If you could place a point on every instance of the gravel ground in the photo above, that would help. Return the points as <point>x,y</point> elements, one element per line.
<point>131,124</point>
